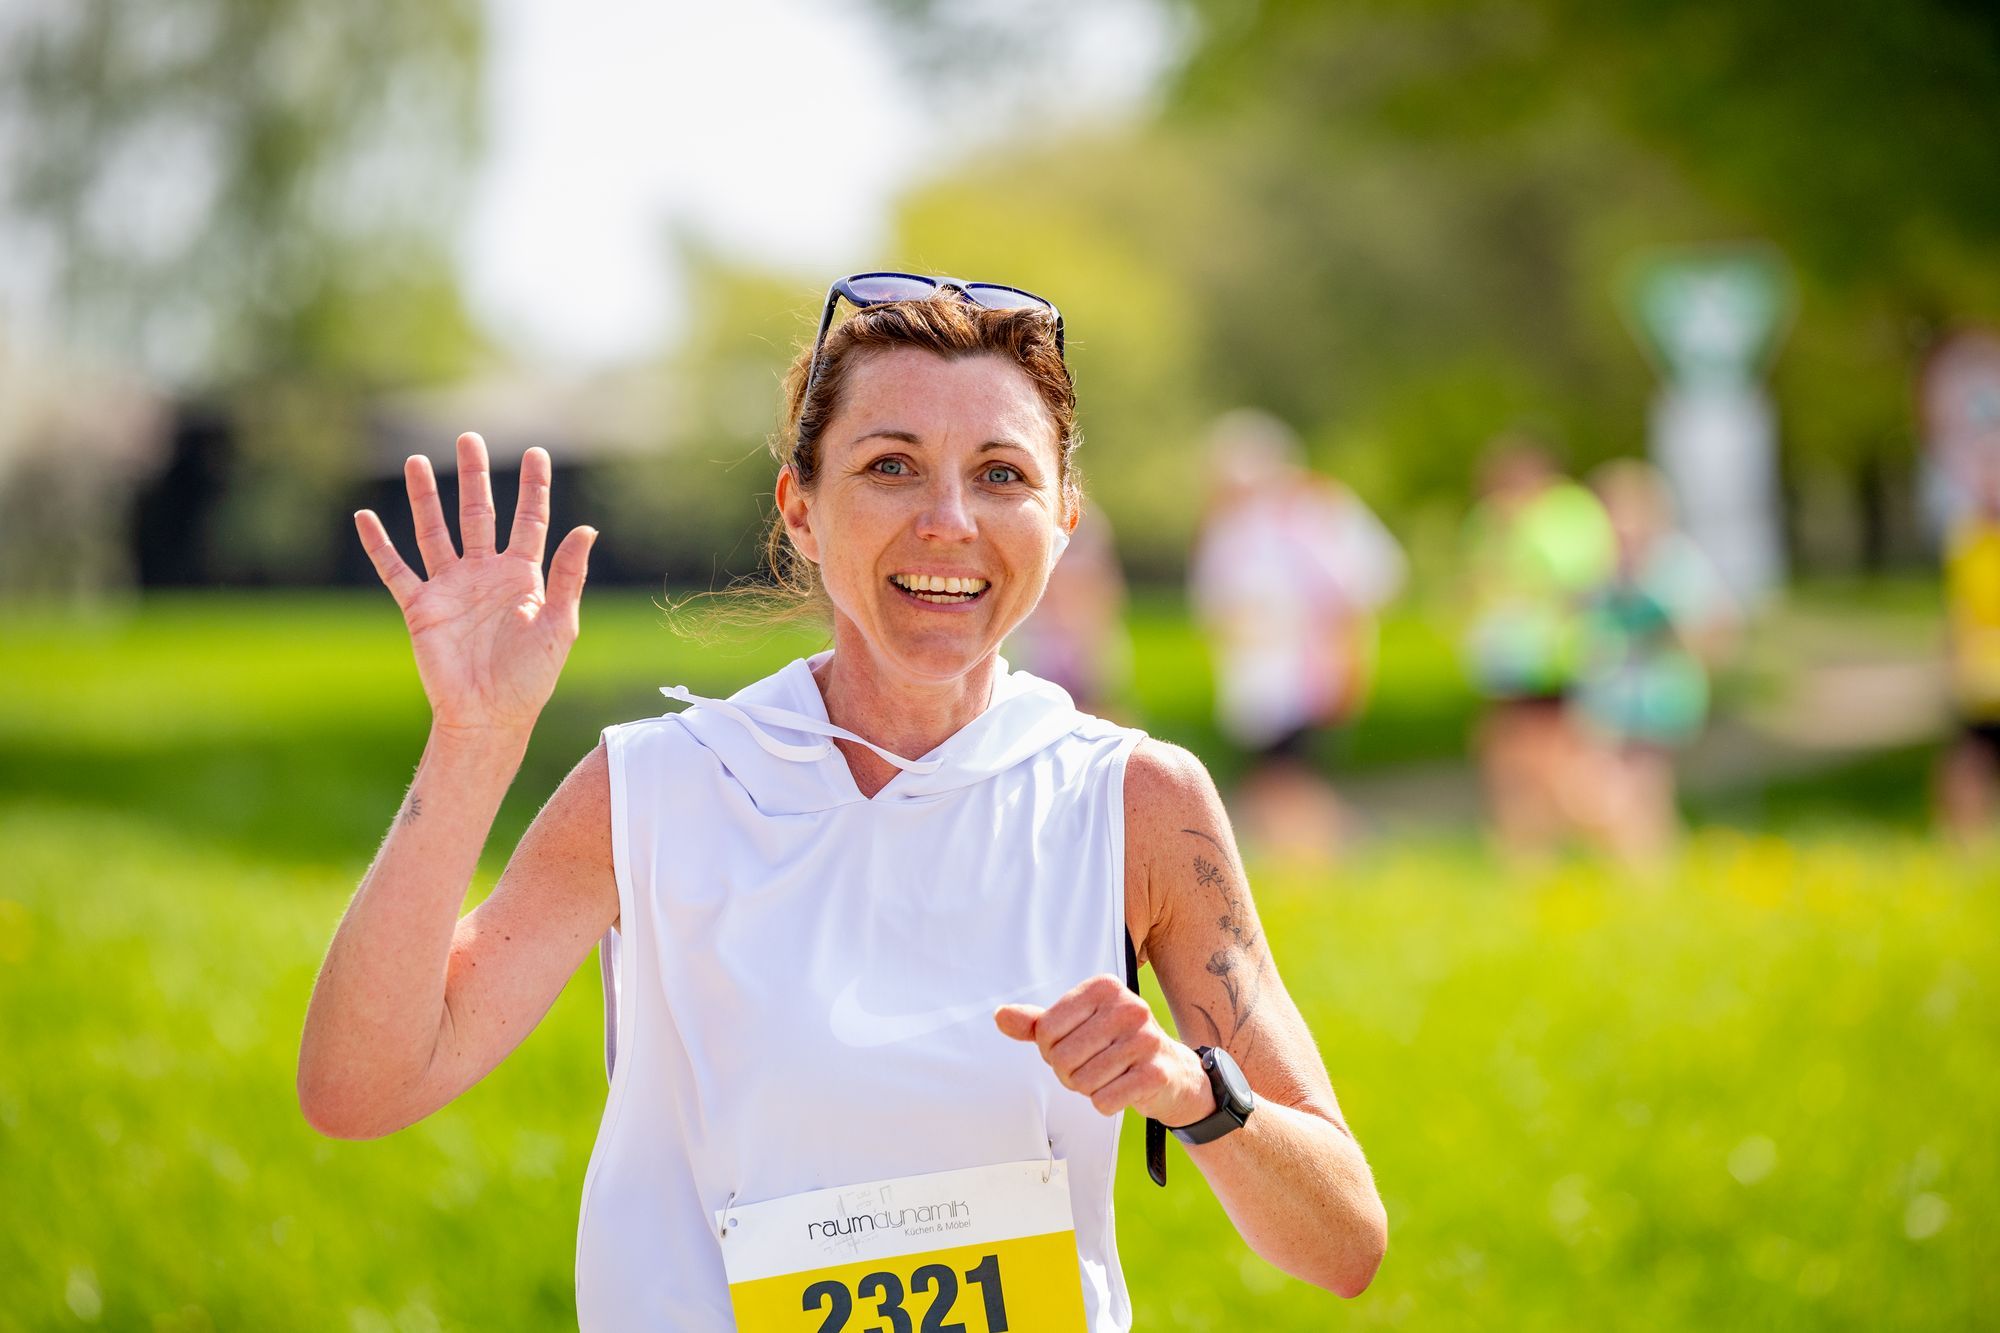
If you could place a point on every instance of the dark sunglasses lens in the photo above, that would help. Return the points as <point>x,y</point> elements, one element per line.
<point>1003,298</point>
<point>877,288</point>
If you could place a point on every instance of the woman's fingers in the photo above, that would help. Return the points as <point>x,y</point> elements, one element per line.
<point>433,537</point>
<point>401,581</point>
<point>567,570</point>
<point>531,508</point>
<point>1139,1083</point>
<point>1091,1041</point>
<point>475,496</point>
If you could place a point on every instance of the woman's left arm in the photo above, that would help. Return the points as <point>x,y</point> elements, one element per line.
<point>1293,1179</point>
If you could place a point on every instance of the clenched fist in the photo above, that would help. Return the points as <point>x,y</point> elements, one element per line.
<point>1103,1041</point>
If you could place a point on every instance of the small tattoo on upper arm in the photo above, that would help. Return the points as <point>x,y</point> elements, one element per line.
<point>413,809</point>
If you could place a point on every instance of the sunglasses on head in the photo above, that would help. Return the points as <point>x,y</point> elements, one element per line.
<point>862,290</point>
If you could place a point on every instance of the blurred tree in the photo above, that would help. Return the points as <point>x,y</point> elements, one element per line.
<point>253,201</point>
<point>217,190</point>
<point>1860,134</point>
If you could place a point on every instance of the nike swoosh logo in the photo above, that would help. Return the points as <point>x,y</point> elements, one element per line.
<point>856,1025</point>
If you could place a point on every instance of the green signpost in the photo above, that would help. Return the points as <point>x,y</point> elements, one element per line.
<point>1711,319</point>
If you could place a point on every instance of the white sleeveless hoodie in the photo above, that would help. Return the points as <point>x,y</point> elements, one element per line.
<point>801,992</point>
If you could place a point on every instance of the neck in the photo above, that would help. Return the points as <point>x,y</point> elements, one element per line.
<point>905,716</point>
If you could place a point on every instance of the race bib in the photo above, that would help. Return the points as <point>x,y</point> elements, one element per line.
<point>983,1250</point>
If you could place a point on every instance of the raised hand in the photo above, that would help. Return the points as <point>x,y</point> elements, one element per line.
<point>489,639</point>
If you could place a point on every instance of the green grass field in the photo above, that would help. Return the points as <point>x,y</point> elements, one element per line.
<point>1761,1092</point>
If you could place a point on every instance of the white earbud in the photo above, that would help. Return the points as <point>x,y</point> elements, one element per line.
<point>1062,543</point>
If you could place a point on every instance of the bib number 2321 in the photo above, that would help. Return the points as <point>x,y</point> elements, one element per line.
<point>985,1250</point>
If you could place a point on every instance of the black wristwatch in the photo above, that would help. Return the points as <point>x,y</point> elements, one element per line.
<point>1233,1099</point>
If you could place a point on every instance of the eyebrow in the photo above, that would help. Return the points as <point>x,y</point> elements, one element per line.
<point>907,437</point>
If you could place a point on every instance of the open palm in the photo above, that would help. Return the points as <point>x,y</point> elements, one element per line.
<point>489,638</point>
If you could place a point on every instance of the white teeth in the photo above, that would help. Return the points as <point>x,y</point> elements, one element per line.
<point>939,583</point>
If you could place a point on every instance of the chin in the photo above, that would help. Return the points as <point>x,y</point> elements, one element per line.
<point>937,654</point>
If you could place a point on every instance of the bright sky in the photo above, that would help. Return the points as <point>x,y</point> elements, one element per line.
<point>612,124</point>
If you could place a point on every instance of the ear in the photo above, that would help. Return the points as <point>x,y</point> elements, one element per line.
<point>795,508</point>
<point>1065,525</point>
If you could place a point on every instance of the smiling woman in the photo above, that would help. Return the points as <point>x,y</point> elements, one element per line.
<point>863,922</point>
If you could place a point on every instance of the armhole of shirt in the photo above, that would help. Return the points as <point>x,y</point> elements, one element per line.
<point>1127,952</point>
<point>1121,759</point>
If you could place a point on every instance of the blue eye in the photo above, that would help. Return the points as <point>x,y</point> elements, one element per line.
<point>1000,474</point>
<point>892,467</point>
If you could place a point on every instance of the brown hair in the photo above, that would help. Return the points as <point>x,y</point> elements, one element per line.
<point>945,325</point>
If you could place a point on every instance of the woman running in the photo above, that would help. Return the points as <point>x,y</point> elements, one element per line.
<point>866,924</point>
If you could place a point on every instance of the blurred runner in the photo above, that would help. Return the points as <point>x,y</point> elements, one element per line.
<point>1970,770</point>
<point>1076,635</point>
<point>1287,575</point>
<point>1651,633</point>
<point>1958,399</point>
<point>1538,547</point>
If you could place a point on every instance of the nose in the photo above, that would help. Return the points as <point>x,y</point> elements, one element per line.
<point>947,513</point>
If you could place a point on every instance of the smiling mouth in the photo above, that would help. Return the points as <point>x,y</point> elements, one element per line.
<point>939,590</point>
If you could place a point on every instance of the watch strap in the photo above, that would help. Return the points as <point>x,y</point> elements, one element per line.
<point>1226,1118</point>
<point>1156,1133</point>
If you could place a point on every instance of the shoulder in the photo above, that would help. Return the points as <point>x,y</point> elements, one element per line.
<point>1162,778</point>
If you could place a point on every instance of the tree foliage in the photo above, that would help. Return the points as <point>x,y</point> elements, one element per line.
<point>220,190</point>
<point>253,202</point>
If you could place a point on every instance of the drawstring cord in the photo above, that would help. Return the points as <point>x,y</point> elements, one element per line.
<point>746,715</point>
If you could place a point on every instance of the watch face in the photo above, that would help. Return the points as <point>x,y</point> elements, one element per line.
<point>1231,1088</point>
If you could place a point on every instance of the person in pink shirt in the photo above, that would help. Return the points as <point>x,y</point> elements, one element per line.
<point>1287,576</point>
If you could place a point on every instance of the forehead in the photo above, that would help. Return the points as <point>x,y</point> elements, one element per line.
<point>964,401</point>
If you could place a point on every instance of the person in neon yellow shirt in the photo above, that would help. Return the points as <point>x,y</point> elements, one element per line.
<point>1538,547</point>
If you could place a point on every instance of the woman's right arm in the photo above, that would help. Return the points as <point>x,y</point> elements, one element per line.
<point>414,1005</point>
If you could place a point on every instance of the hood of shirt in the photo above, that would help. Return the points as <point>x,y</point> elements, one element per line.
<point>774,737</point>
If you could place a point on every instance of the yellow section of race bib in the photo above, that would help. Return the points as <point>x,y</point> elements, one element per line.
<point>1025,1285</point>
<point>984,1249</point>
